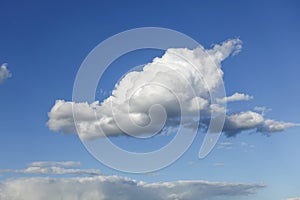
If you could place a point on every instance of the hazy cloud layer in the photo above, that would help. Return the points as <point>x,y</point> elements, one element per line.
<point>51,164</point>
<point>4,73</point>
<point>118,188</point>
<point>180,75</point>
<point>58,168</point>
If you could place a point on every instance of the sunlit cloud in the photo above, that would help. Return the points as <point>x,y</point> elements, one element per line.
<point>177,70</point>
<point>119,188</point>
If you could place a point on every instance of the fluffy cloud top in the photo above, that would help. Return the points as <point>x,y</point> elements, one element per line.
<point>58,168</point>
<point>294,198</point>
<point>4,73</point>
<point>181,81</point>
<point>118,188</point>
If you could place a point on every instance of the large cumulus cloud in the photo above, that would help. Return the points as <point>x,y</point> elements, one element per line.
<point>182,81</point>
<point>118,188</point>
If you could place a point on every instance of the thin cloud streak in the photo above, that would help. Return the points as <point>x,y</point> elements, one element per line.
<point>52,168</point>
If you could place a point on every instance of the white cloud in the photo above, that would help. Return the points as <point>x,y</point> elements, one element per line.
<point>50,164</point>
<point>262,109</point>
<point>270,126</point>
<point>118,188</point>
<point>249,120</point>
<point>57,168</point>
<point>180,75</point>
<point>235,97</point>
<point>294,198</point>
<point>225,145</point>
<point>237,122</point>
<point>187,76</point>
<point>4,73</point>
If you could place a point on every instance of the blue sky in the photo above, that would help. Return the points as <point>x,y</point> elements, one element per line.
<point>44,44</point>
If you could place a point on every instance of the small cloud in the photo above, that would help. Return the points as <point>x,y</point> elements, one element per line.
<point>235,97</point>
<point>218,164</point>
<point>249,120</point>
<point>263,110</point>
<point>246,147</point>
<point>225,145</point>
<point>245,144</point>
<point>152,174</point>
<point>4,73</point>
<point>293,198</point>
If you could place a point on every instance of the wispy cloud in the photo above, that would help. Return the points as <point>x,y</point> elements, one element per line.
<point>225,145</point>
<point>118,188</point>
<point>218,164</point>
<point>55,164</point>
<point>52,168</point>
<point>246,145</point>
<point>262,109</point>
